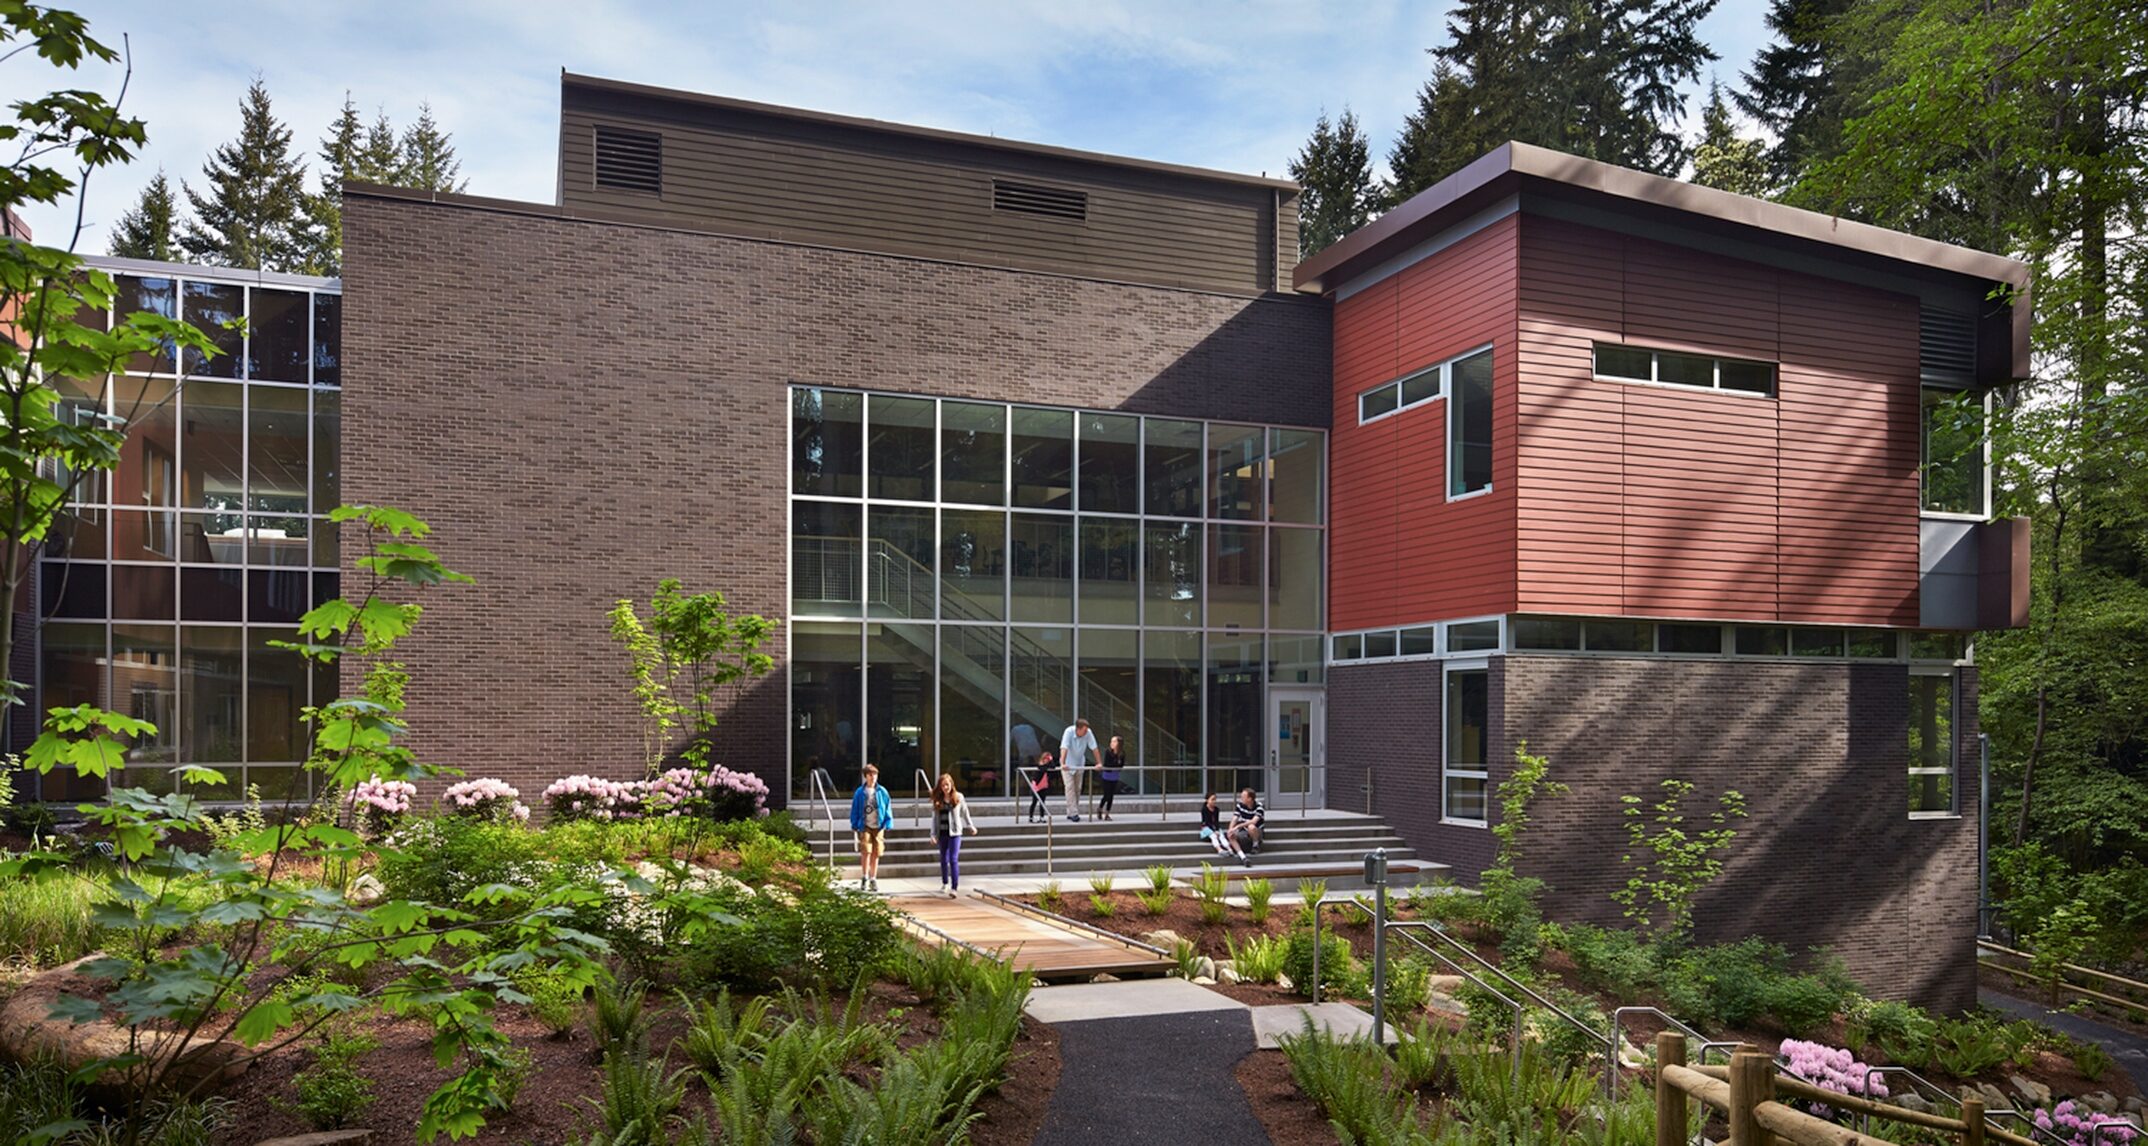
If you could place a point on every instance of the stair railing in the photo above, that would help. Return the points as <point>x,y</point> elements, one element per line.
<point>918,788</point>
<point>822,782</point>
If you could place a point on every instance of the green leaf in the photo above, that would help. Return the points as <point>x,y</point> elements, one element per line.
<point>260,1024</point>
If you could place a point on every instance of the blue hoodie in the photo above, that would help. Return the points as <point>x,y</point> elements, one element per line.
<point>857,807</point>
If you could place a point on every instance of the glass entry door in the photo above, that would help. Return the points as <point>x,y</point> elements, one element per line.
<point>1296,732</point>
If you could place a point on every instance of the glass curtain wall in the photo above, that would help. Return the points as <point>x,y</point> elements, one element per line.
<point>171,576</point>
<point>968,577</point>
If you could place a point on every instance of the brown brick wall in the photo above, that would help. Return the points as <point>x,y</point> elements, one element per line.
<point>580,409</point>
<point>1828,855</point>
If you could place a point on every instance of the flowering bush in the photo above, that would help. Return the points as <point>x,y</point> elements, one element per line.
<point>584,797</point>
<point>736,795</point>
<point>377,804</point>
<point>671,793</point>
<point>2080,1126</point>
<point>488,799</point>
<point>1830,1068</point>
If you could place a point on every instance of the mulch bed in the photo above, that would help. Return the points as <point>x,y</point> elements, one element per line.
<point>1291,1118</point>
<point>555,1104</point>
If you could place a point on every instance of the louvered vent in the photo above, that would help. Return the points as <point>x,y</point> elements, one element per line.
<point>630,160</point>
<point>1947,346</point>
<point>1030,199</point>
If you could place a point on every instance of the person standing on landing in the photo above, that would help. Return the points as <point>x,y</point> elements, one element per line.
<point>870,814</point>
<point>1114,763</point>
<point>949,813</point>
<point>1039,779</point>
<point>1077,753</point>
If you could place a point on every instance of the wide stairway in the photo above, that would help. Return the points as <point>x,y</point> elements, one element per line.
<point>1137,836</point>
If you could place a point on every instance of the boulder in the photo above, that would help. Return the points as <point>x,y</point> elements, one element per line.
<point>1444,984</point>
<point>1284,982</point>
<point>2032,1091</point>
<point>2133,1104</point>
<point>1448,1004</point>
<point>366,890</point>
<point>1204,981</point>
<point>1992,1097</point>
<point>1912,1102</point>
<point>28,1031</point>
<point>1204,968</point>
<point>2100,1101</point>
<point>1227,974</point>
<point>1104,977</point>
<point>1165,938</point>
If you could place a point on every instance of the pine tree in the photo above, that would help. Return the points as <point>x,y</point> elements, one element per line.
<point>1799,86</point>
<point>381,159</point>
<point>1723,158</point>
<point>429,162</point>
<point>324,209</point>
<point>254,215</point>
<point>1583,76</point>
<point>1340,193</point>
<point>147,230</point>
<point>1437,137</point>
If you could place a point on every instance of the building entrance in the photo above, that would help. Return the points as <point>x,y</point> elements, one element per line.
<point>1297,729</point>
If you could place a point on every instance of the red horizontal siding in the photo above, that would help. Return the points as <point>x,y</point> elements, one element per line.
<point>1398,550</point>
<point>1657,501</point>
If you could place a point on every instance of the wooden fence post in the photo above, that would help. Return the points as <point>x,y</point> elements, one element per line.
<point>1752,1082</point>
<point>1972,1122</point>
<point>1670,1101</point>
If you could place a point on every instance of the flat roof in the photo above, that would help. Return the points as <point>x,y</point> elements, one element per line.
<point>1515,166</point>
<point>884,127</point>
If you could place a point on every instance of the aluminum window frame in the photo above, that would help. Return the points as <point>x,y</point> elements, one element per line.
<point>1923,445</point>
<point>1448,671</point>
<point>1952,770</point>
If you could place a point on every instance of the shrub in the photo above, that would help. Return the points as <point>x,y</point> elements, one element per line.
<point>1671,861</point>
<point>1314,892</point>
<point>1421,1054</point>
<point>1210,887</point>
<point>1830,1068</point>
<point>1802,1004</point>
<point>1101,883</point>
<point>640,1097</point>
<point>1409,984</point>
<point>1337,966</point>
<point>378,805</point>
<point>846,933</point>
<point>1260,960</point>
<point>759,856</point>
<point>1159,877</point>
<point>1901,1032</point>
<point>2080,1126</point>
<point>1969,1046</point>
<point>618,1019</point>
<point>784,826</point>
<point>2091,1060</point>
<point>1563,1042</point>
<point>1727,984</point>
<point>1102,906</point>
<point>1156,901</point>
<point>555,1001</point>
<point>490,800</point>
<point>332,1092</point>
<point>1347,1080</point>
<point>1258,893</point>
<point>1609,959</point>
<point>585,797</point>
<point>442,860</point>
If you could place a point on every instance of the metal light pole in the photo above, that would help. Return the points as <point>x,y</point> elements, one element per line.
<point>1376,876</point>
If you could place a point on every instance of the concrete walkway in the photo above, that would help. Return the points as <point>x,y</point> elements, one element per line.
<point>2128,1050</point>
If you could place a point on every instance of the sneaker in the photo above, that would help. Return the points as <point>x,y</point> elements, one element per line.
<point>862,881</point>
<point>1074,818</point>
<point>874,884</point>
<point>1248,859</point>
<point>952,893</point>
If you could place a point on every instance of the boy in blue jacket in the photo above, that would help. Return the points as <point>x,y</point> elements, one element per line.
<point>870,815</point>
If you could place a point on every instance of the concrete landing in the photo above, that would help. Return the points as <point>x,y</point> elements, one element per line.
<point>1342,1020</point>
<point>1081,1002</point>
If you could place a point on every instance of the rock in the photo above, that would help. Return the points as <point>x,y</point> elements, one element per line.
<point>1447,1003</point>
<point>1204,981</point>
<point>1227,974</point>
<point>28,1032</point>
<point>1165,938</point>
<point>1204,968</point>
<point>2100,1101</point>
<point>2035,1092</point>
<point>1444,984</point>
<point>1104,977</point>
<point>1994,1098</point>
<point>1912,1102</point>
<point>366,889</point>
<point>2133,1119</point>
<point>2133,1105</point>
<point>322,1138</point>
<point>1284,982</point>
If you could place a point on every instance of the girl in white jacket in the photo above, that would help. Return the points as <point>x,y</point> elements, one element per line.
<point>949,813</point>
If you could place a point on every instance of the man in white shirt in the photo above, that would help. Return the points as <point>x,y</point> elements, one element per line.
<point>1077,754</point>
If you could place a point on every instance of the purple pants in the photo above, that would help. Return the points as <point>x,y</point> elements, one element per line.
<point>950,846</point>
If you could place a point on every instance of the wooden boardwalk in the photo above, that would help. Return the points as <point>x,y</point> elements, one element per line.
<point>1043,947</point>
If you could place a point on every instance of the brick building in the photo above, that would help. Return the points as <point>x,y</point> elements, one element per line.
<point>1661,480</point>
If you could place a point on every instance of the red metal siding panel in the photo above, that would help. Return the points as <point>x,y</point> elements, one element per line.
<point>1653,501</point>
<point>1398,549</point>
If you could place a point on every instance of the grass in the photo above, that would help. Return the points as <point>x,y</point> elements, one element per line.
<point>48,921</point>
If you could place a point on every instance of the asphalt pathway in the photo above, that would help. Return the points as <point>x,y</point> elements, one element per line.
<point>1153,1078</point>
<point>2129,1050</point>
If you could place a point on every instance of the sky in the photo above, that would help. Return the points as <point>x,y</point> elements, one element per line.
<point>1235,86</point>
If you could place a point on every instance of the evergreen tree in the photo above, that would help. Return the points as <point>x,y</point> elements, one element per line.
<point>147,230</point>
<point>1723,158</point>
<point>429,162</point>
<point>1437,137</point>
<point>1588,77</point>
<point>381,159</point>
<point>324,209</point>
<point>254,214</point>
<point>1799,86</point>
<point>1340,193</point>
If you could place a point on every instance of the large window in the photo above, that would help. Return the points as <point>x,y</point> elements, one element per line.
<point>1931,741</point>
<point>1952,443</point>
<point>967,577</point>
<point>1465,766</point>
<point>208,539</point>
<point>1469,425</point>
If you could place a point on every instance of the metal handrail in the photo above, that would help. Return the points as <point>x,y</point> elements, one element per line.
<point>1929,1087</point>
<point>1441,933</point>
<point>1073,923</point>
<point>1516,1049</point>
<point>917,790</point>
<point>822,782</point>
<point>1618,1018</point>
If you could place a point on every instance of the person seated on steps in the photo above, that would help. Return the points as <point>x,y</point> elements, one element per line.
<point>1213,831</point>
<point>1248,820</point>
